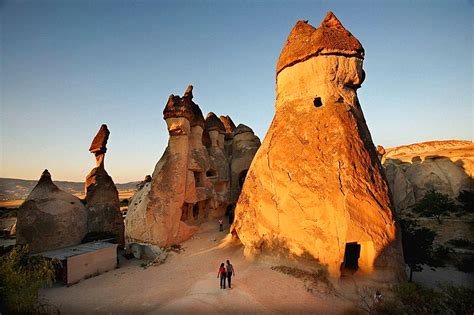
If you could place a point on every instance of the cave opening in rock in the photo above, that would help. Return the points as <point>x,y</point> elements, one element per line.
<point>196,211</point>
<point>197,179</point>
<point>211,173</point>
<point>242,176</point>
<point>351,256</point>
<point>317,102</point>
<point>184,212</point>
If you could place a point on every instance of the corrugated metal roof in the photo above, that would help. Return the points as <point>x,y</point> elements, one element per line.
<point>63,253</point>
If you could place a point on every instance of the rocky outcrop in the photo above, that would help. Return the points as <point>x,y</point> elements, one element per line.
<point>50,218</point>
<point>102,200</point>
<point>191,181</point>
<point>412,170</point>
<point>316,188</point>
<point>244,146</point>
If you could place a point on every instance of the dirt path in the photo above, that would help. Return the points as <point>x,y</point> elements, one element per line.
<point>188,282</point>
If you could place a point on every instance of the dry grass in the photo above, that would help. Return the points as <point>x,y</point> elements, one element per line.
<point>11,203</point>
<point>315,281</point>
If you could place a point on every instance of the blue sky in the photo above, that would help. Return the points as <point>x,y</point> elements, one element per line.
<point>68,66</point>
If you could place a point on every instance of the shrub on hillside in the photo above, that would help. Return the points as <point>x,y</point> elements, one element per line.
<point>410,298</point>
<point>21,276</point>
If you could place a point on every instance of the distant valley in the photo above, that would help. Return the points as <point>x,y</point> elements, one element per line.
<point>17,189</point>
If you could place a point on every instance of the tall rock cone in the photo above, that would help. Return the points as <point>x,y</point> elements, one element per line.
<point>50,218</point>
<point>316,186</point>
<point>102,200</point>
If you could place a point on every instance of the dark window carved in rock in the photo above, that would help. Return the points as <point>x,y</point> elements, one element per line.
<point>196,211</point>
<point>317,102</point>
<point>211,173</point>
<point>197,179</point>
<point>242,176</point>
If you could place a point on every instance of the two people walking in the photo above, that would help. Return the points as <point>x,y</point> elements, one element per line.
<point>226,271</point>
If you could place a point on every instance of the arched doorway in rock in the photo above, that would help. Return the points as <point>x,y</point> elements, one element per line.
<point>242,176</point>
<point>196,211</point>
<point>351,256</point>
<point>229,212</point>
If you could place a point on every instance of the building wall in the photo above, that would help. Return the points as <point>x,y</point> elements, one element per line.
<point>91,264</point>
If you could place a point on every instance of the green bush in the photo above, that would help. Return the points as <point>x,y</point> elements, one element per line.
<point>21,276</point>
<point>435,204</point>
<point>465,264</point>
<point>461,243</point>
<point>410,298</point>
<point>466,198</point>
<point>8,212</point>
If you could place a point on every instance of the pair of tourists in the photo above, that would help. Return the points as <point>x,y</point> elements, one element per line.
<point>226,271</point>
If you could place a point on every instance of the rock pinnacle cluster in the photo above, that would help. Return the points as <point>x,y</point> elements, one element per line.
<point>194,181</point>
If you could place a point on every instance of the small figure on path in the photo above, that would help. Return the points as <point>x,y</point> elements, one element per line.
<point>222,274</point>
<point>221,225</point>
<point>378,298</point>
<point>230,273</point>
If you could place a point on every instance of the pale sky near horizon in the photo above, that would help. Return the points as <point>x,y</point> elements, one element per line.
<point>69,66</point>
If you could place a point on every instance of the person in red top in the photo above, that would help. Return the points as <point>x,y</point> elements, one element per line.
<point>222,273</point>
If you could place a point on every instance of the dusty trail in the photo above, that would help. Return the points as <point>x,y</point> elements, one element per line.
<point>188,282</point>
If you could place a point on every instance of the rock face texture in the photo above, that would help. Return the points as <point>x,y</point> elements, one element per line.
<point>50,218</point>
<point>316,188</point>
<point>102,200</point>
<point>244,146</point>
<point>191,182</point>
<point>412,170</point>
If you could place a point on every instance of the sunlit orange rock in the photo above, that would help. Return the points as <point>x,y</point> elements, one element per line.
<point>316,187</point>
<point>412,170</point>
<point>191,182</point>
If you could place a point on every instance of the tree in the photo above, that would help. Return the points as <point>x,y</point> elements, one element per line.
<point>466,198</point>
<point>435,204</point>
<point>418,247</point>
<point>21,275</point>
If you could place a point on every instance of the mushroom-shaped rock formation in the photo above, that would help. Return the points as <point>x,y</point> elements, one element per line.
<point>244,146</point>
<point>229,125</point>
<point>228,137</point>
<point>316,188</point>
<point>50,218</point>
<point>219,163</point>
<point>190,183</point>
<point>180,195</point>
<point>102,200</point>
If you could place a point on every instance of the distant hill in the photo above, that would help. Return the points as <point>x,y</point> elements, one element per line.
<point>13,188</point>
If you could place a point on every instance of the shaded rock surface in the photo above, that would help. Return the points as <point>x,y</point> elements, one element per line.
<point>244,147</point>
<point>102,200</point>
<point>190,183</point>
<point>412,170</point>
<point>50,218</point>
<point>316,188</point>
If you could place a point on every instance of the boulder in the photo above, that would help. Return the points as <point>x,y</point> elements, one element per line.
<point>316,189</point>
<point>50,218</point>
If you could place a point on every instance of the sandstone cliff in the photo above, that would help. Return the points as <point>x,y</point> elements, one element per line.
<point>50,218</point>
<point>412,170</point>
<point>316,187</point>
